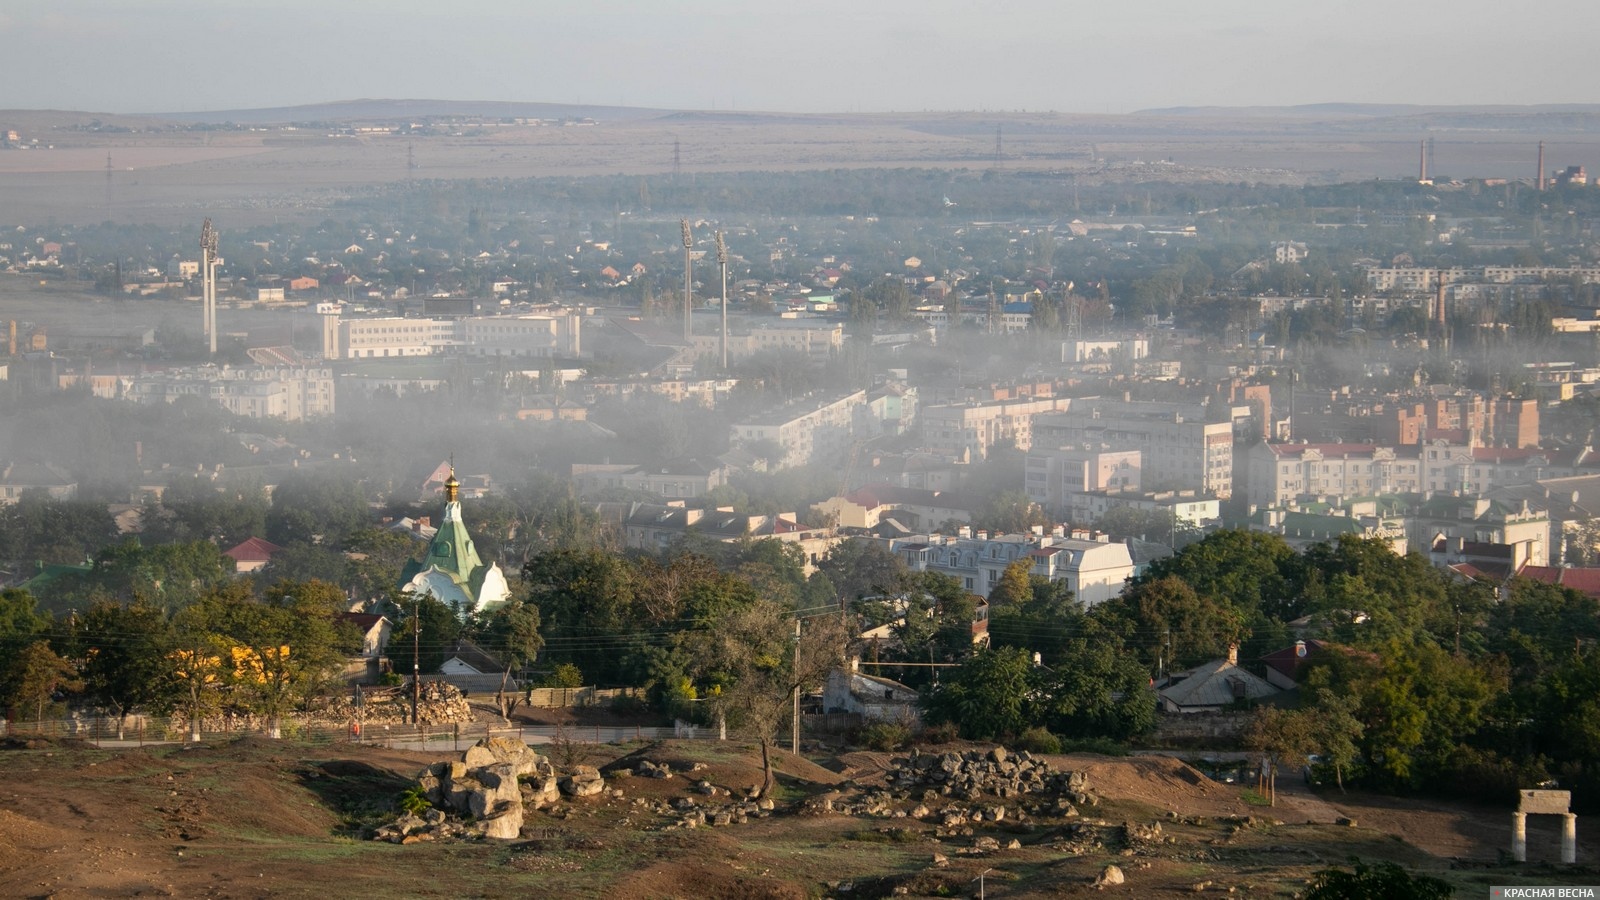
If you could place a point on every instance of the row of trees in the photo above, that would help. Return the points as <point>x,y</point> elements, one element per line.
<point>233,650</point>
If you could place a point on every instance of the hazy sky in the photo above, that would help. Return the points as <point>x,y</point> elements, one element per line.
<point>801,55</point>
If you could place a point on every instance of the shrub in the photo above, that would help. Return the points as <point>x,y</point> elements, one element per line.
<point>941,733</point>
<point>1101,745</point>
<point>414,800</point>
<point>884,736</point>
<point>1038,739</point>
<point>1378,882</point>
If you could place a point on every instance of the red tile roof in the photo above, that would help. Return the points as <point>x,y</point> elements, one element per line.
<point>1584,580</point>
<point>253,550</point>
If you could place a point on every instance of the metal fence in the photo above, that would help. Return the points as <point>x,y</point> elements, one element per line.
<point>139,731</point>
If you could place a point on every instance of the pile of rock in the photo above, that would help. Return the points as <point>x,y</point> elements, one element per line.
<point>441,703</point>
<point>997,773</point>
<point>492,783</point>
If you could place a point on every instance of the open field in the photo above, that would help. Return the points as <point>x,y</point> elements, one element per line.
<point>263,176</point>
<point>257,818</point>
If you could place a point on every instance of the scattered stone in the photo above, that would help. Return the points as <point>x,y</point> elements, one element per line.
<point>585,781</point>
<point>1345,821</point>
<point>1110,875</point>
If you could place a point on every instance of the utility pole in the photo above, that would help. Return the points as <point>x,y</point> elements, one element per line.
<point>722,260</point>
<point>794,737</point>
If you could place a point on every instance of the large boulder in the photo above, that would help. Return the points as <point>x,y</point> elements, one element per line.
<point>493,750</point>
<point>498,787</point>
<point>504,822</point>
<point>541,790</point>
<point>585,781</point>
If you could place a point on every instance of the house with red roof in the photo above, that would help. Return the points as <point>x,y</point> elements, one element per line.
<point>251,555</point>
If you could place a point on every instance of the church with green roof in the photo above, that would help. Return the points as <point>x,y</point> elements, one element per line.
<point>451,570</point>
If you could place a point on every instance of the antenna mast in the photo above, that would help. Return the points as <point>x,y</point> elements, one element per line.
<point>208,282</point>
<point>722,260</point>
<point>688,279</point>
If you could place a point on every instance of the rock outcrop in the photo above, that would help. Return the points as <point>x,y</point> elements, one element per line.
<point>495,780</point>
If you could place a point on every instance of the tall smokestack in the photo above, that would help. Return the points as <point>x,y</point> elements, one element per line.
<point>1422,162</point>
<point>1540,180</point>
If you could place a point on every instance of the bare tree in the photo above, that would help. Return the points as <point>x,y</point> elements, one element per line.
<point>764,666</point>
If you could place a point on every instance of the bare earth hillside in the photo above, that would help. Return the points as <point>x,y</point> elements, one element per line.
<point>257,818</point>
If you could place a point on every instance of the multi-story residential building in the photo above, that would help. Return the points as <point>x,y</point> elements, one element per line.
<point>1279,475</point>
<point>810,431</point>
<point>656,527</point>
<point>699,391</point>
<point>1095,571</point>
<point>1179,449</point>
<point>675,480</point>
<point>259,392</point>
<point>1107,351</point>
<point>1061,480</point>
<point>813,338</point>
<point>1418,278</point>
<point>555,333</point>
<point>976,427</point>
<point>1186,507</point>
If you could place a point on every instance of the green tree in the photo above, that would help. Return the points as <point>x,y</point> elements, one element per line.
<point>1015,585</point>
<point>311,507</point>
<point>1092,687</point>
<point>200,658</point>
<point>283,648</point>
<point>1177,626</point>
<point>125,663</point>
<point>36,675</point>
<point>858,569</point>
<point>1283,738</point>
<point>986,696</point>
<point>427,624</point>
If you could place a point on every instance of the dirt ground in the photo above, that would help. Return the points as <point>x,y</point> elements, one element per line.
<point>259,818</point>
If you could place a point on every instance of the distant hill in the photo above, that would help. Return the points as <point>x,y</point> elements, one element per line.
<point>1367,110</point>
<point>389,110</point>
<point>1564,118</point>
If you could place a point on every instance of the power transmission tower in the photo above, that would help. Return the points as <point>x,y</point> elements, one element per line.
<point>999,146</point>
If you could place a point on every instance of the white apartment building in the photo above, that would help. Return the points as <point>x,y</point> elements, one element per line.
<point>1060,480</point>
<point>811,431</point>
<point>259,392</point>
<point>1419,278</point>
<point>975,427</point>
<point>809,337</point>
<point>1179,449</point>
<point>1279,474</point>
<point>1095,571</point>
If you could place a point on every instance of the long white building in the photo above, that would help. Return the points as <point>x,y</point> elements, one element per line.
<point>259,392</point>
<point>554,333</point>
<point>1095,571</point>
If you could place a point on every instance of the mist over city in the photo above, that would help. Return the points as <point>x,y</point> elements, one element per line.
<point>795,456</point>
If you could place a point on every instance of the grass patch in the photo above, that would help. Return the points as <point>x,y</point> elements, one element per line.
<point>887,836</point>
<point>1254,797</point>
